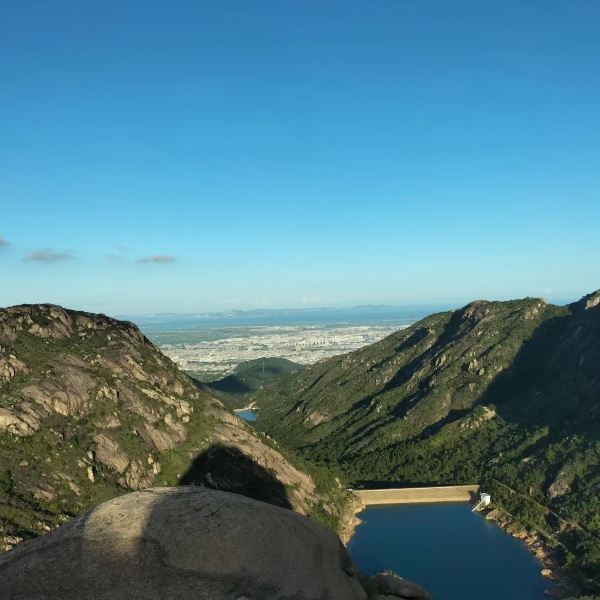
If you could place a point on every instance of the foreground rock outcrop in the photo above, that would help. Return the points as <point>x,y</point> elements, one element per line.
<point>187,542</point>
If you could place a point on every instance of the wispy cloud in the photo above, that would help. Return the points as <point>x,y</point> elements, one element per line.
<point>4,242</point>
<point>158,258</point>
<point>49,256</point>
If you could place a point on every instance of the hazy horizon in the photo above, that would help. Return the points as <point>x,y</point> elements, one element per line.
<point>350,307</point>
<point>418,309</point>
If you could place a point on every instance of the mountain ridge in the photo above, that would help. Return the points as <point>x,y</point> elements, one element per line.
<point>503,393</point>
<point>90,409</point>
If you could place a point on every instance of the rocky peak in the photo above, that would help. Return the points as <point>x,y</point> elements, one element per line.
<point>475,311</point>
<point>56,322</point>
<point>592,300</point>
<point>588,302</point>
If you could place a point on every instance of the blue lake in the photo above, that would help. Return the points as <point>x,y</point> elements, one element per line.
<point>455,553</point>
<point>247,415</point>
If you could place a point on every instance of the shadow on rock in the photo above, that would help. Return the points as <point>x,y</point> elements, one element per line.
<point>182,543</point>
<point>228,469</point>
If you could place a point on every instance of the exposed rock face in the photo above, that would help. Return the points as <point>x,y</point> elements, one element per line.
<point>180,543</point>
<point>559,486</point>
<point>478,417</point>
<point>588,302</point>
<point>388,586</point>
<point>9,367</point>
<point>90,408</point>
<point>109,453</point>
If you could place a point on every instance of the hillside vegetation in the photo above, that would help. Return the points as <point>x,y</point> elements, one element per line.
<point>249,377</point>
<point>506,394</point>
<point>89,409</point>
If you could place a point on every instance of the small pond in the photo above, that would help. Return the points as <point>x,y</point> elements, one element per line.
<point>247,415</point>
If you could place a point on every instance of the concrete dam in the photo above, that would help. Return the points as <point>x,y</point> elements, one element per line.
<point>447,493</point>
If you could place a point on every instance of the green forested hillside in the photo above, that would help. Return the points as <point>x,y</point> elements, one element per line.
<point>502,393</point>
<point>248,377</point>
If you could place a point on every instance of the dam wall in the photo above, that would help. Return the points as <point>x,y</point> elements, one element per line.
<point>447,493</point>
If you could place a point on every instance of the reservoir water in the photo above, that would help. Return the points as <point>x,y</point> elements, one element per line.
<point>247,415</point>
<point>455,553</point>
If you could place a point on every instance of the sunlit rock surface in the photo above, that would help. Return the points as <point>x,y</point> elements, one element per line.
<point>185,542</point>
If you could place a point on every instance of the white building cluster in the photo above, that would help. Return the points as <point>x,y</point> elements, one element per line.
<point>301,344</point>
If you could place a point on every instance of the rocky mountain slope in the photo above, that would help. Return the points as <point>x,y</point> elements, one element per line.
<point>89,409</point>
<point>506,394</point>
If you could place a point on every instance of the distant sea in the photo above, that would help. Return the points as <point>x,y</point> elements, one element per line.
<point>327,317</point>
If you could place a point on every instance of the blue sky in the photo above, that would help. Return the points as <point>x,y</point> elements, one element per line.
<point>184,156</point>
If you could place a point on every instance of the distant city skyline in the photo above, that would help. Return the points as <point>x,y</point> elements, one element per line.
<point>239,155</point>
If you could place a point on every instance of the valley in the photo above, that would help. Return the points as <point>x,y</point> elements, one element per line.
<point>299,300</point>
<point>502,393</point>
